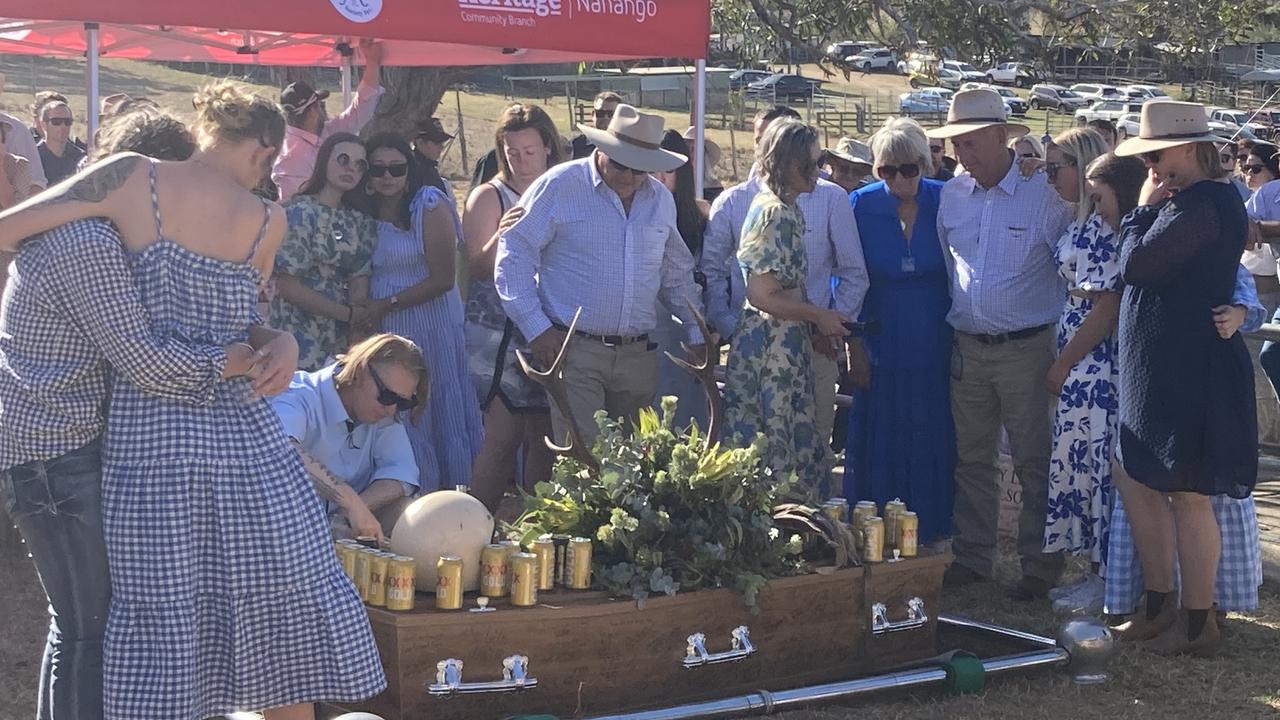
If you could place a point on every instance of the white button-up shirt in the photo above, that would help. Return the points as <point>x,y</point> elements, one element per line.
<point>837,272</point>
<point>298,156</point>
<point>22,143</point>
<point>577,247</point>
<point>999,243</point>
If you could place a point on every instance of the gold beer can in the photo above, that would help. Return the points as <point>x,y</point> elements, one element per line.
<point>449,582</point>
<point>892,511</point>
<point>378,578</point>
<point>577,564</point>
<point>401,572</point>
<point>909,534</point>
<point>495,572</point>
<point>545,550</point>
<point>837,509</point>
<point>873,540</point>
<point>347,558</point>
<point>524,579</point>
<point>363,556</point>
<point>863,510</point>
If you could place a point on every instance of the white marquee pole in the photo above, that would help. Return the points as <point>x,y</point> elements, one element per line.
<point>91,78</point>
<point>699,126</point>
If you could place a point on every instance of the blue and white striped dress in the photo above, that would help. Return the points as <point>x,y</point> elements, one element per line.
<point>226,593</point>
<point>447,438</point>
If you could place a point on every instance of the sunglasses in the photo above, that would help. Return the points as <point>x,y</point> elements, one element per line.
<point>1051,169</point>
<point>1029,155</point>
<point>935,149</point>
<point>604,113</point>
<point>623,168</point>
<point>1225,158</point>
<point>396,170</point>
<point>907,170</point>
<point>1253,169</point>
<point>344,160</point>
<point>59,121</point>
<point>1152,157</point>
<point>389,398</point>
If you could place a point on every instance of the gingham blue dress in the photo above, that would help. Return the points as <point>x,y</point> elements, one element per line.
<point>227,595</point>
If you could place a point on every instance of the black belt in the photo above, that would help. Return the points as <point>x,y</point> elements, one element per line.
<point>609,340</point>
<point>1006,337</point>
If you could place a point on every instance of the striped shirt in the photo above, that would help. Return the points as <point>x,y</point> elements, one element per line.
<point>577,247</point>
<point>71,314</point>
<point>1000,243</point>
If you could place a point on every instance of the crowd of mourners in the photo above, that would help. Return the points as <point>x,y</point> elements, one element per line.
<point>207,326</point>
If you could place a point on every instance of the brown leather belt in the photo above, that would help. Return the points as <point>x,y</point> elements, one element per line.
<point>1006,337</point>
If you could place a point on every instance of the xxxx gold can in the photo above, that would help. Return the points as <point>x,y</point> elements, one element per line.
<point>401,572</point>
<point>347,558</point>
<point>495,572</point>
<point>524,579</point>
<point>577,564</point>
<point>863,510</point>
<point>892,511</point>
<point>561,543</point>
<point>909,534</point>
<point>545,550</point>
<point>378,578</point>
<point>837,509</point>
<point>449,582</point>
<point>363,558</point>
<point>873,540</point>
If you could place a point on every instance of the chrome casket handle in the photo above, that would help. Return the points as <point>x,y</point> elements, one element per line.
<point>515,677</point>
<point>696,652</point>
<point>916,618</point>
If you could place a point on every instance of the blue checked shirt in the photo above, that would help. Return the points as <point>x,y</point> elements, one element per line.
<point>999,244</point>
<point>71,314</point>
<point>576,247</point>
<point>837,272</point>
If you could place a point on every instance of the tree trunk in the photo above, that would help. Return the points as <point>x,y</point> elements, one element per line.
<point>412,93</point>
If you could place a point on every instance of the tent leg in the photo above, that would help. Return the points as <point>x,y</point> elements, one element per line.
<point>699,126</point>
<point>91,79</point>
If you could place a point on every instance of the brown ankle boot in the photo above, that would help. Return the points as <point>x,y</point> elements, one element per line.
<point>1173,641</point>
<point>1140,629</point>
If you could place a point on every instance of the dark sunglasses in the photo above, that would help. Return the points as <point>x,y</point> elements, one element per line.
<point>604,113</point>
<point>1241,157</point>
<point>1152,157</point>
<point>623,168</point>
<point>1051,169</point>
<point>59,121</point>
<point>907,170</point>
<point>1225,158</point>
<point>345,161</point>
<point>389,398</point>
<point>1029,155</point>
<point>396,170</point>
<point>1253,169</point>
<point>935,149</point>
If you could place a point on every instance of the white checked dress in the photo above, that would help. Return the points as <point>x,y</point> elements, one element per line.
<point>227,595</point>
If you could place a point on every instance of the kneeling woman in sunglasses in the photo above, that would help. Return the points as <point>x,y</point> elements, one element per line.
<point>414,295</point>
<point>343,420</point>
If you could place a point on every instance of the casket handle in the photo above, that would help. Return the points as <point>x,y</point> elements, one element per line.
<point>696,652</point>
<point>916,618</point>
<point>515,677</point>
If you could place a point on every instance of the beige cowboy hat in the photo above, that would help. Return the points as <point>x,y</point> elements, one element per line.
<point>1167,124</point>
<point>713,148</point>
<point>974,110</point>
<point>854,151</point>
<point>634,139</point>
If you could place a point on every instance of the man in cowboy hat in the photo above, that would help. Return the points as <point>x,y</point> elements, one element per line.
<point>999,231</point>
<point>429,138</point>
<point>850,164</point>
<point>599,234</point>
<point>309,124</point>
<point>833,251</point>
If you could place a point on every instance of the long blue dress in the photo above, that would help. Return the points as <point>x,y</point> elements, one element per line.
<point>448,436</point>
<point>901,441</point>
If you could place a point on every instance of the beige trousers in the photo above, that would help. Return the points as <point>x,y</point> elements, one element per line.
<point>619,380</point>
<point>826,374</point>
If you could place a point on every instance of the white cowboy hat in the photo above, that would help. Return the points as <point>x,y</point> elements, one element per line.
<point>854,151</point>
<point>634,139</point>
<point>713,148</point>
<point>974,110</point>
<point>1167,124</point>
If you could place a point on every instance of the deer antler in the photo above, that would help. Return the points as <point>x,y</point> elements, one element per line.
<point>552,379</point>
<point>705,372</point>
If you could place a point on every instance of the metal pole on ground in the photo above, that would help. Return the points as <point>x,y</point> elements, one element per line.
<point>347,51</point>
<point>699,125</point>
<point>462,132</point>
<point>91,78</point>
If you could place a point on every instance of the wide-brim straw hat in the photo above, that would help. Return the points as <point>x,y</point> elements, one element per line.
<point>713,148</point>
<point>853,150</point>
<point>634,139</point>
<point>974,110</point>
<point>1168,124</point>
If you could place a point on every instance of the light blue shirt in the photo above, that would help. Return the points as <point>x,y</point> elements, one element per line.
<point>313,414</point>
<point>1246,294</point>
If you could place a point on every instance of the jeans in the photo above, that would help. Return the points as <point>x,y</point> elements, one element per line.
<point>57,506</point>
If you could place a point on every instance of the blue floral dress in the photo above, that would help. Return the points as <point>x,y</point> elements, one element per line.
<point>1084,424</point>
<point>769,384</point>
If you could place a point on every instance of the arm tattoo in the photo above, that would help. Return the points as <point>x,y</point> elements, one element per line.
<point>328,485</point>
<point>100,182</point>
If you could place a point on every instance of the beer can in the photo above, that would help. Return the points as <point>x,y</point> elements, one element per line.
<point>524,579</point>
<point>347,558</point>
<point>873,540</point>
<point>561,543</point>
<point>863,510</point>
<point>545,550</point>
<point>368,541</point>
<point>495,571</point>
<point>400,582</point>
<point>449,582</point>
<point>363,556</point>
<point>577,564</point>
<point>378,578</point>
<point>909,534</point>
<point>837,509</point>
<point>892,511</point>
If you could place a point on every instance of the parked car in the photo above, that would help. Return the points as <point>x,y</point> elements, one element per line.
<point>1128,125</point>
<point>1111,110</point>
<point>1092,91</point>
<point>1010,73</point>
<point>1236,122</point>
<point>740,79</point>
<point>1144,92</point>
<point>949,79</point>
<point>1056,97</point>
<point>966,71</point>
<point>1269,117</point>
<point>842,50</point>
<point>781,87</point>
<point>1013,104</point>
<point>878,59</point>
<point>926,101</point>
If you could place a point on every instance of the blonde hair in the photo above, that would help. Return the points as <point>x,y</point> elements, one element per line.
<point>230,111</point>
<point>1207,158</point>
<point>381,349</point>
<point>785,144</point>
<point>900,141</point>
<point>1083,145</point>
<point>1031,140</point>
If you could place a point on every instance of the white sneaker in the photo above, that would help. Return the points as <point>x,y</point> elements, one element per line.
<point>1062,591</point>
<point>1087,597</point>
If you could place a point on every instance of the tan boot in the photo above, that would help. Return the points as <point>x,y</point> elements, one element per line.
<point>1140,629</point>
<point>1173,641</point>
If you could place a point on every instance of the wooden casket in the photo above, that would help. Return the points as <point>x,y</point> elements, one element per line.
<point>591,654</point>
